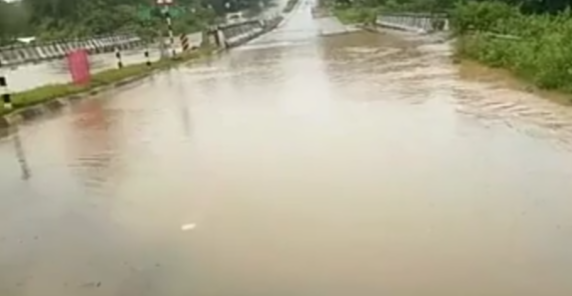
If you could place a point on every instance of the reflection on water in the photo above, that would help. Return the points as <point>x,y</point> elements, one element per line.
<point>355,164</point>
<point>537,117</point>
<point>21,154</point>
<point>95,162</point>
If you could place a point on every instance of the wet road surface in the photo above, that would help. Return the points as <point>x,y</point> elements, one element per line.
<point>300,164</point>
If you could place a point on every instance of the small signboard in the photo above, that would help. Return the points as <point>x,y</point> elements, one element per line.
<point>78,64</point>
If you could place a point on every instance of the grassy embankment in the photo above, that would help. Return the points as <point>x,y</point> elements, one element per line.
<point>53,91</point>
<point>535,48</point>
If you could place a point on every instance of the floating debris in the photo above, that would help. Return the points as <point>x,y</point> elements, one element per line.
<point>187,227</point>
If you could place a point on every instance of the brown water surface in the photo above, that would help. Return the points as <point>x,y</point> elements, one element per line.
<point>300,164</point>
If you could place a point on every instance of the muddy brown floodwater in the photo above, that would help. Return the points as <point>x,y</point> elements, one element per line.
<point>300,164</point>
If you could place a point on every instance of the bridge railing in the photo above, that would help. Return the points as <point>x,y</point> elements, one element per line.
<point>231,35</point>
<point>427,23</point>
<point>414,22</point>
<point>29,53</point>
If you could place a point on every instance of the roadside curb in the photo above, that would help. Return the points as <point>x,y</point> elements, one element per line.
<point>55,105</point>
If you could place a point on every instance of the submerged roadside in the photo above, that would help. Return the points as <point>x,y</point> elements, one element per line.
<point>43,99</point>
<point>531,46</point>
<point>36,101</point>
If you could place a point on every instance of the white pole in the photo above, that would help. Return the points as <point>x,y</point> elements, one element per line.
<point>4,92</point>
<point>171,35</point>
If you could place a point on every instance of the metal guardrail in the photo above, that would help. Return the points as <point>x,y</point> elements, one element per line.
<point>428,22</point>
<point>20,54</point>
<point>237,34</point>
<point>414,22</point>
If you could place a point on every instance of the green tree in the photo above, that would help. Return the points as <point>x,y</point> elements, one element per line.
<point>64,19</point>
<point>13,20</point>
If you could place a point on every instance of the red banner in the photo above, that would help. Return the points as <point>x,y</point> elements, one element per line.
<point>78,64</point>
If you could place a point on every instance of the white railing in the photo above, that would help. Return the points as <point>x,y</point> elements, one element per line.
<point>414,22</point>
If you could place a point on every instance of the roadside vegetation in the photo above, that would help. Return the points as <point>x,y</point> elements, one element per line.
<point>356,14</point>
<point>68,19</point>
<point>532,39</point>
<point>109,77</point>
<point>535,47</point>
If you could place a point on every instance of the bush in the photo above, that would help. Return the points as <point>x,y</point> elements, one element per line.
<point>481,16</point>
<point>535,47</point>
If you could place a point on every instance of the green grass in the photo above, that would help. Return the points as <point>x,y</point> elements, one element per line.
<point>355,14</point>
<point>53,91</point>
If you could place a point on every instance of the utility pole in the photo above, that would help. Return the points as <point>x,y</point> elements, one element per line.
<point>169,21</point>
<point>170,31</point>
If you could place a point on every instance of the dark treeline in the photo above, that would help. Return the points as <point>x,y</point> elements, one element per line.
<point>56,19</point>
<point>13,20</point>
<point>540,6</point>
<point>526,6</point>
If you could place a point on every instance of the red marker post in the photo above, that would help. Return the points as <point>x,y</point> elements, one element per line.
<point>78,64</point>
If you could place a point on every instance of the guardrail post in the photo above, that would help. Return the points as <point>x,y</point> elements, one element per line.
<point>184,42</point>
<point>147,60</point>
<point>170,29</point>
<point>217,38</point>
<point>4,92</point>
<point>118,56</point>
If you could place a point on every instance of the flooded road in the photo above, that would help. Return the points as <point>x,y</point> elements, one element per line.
<point>300,164</point>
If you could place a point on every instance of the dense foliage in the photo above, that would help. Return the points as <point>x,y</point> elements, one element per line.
<point>13,20</point>
<point>55,19</point>
<point>535,47</point>
<point>525,6</point>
